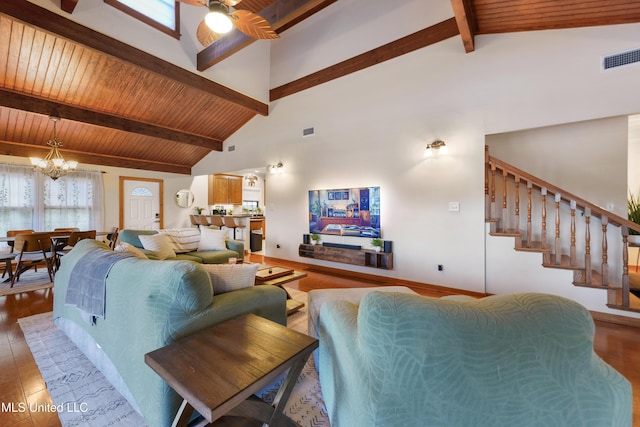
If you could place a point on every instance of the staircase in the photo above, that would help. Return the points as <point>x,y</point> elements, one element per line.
<point>546,219</point>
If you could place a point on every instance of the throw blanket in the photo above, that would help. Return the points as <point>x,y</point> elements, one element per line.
<point>87,284</point>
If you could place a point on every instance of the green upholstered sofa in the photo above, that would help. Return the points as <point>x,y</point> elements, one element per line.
<point>235,248</point>
<point>510,360</point>
<point>148,305</point>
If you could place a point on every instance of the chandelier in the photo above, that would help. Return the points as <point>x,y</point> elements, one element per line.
<point>54,165</point>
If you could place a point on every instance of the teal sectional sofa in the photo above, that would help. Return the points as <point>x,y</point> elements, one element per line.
<point>235,249</point>
<point>402,360</point>
<point>149,304</point>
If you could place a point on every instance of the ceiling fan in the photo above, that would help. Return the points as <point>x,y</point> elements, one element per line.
<point>222,18</point>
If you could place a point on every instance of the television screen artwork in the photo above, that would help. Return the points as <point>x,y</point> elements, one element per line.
<point>345,212</point>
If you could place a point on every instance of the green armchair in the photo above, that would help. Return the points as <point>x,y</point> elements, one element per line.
<point>510,360</point>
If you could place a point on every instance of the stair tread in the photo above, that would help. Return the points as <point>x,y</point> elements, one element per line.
<point>534,247</point>
<point>565,263</point>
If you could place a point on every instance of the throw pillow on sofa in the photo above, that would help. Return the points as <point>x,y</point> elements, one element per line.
<point>231,277</point>
<point>159,244</point>
<point>212,240</point>
<point>126,247</point>
<point>183,239</point>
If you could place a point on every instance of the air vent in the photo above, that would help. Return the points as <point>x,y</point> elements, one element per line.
<point>231,148</point>
<point>620,59</point>
<point>308,132</point>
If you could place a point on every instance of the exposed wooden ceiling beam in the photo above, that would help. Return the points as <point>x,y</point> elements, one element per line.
<point>281,14</point>
<point>49,21</point>
<point>428,36</point>
<point>33,104</point>
<point>467,24</point>
<point>68,5</point>
<point>10,148</point>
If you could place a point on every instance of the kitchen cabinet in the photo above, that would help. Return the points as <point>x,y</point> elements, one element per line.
<point>225,189</point>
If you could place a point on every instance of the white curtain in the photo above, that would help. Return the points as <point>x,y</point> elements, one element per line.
<point>75,200</point>
<point>30,200</point>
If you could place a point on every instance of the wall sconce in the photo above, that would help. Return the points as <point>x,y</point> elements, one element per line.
<point>277,168</point>
<point>435,148</point>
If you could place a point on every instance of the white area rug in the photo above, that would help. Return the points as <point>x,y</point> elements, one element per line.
<point>88,399</point>
<point>29,281</point>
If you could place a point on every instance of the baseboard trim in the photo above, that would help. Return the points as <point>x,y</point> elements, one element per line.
<point>615,319</point>
<point>374,279</point>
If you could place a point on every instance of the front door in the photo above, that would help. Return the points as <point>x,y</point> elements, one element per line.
<point>141,203</point>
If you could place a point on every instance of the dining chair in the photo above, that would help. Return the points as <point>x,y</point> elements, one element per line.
<point>63,229</point>
<point>13,233</point>
<point>74,238</point>
<point>113,237</point>
<point>33,249</point>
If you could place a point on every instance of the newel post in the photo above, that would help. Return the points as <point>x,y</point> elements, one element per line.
<point>625,265</point>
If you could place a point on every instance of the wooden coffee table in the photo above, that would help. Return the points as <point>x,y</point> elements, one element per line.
<point>218,369</point>
<point>292,305</point>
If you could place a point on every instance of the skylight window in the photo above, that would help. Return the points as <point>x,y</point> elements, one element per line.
<point>160,14</point>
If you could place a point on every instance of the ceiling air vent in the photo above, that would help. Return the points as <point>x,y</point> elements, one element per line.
<point>620,59</point>
<point>308,132</point>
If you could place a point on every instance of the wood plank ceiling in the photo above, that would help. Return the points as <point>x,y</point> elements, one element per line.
<point>123,107</point>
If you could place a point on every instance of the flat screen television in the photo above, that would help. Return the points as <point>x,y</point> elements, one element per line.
<point>345,212</point>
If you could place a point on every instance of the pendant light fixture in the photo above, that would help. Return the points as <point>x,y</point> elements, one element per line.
<point>54,165</point>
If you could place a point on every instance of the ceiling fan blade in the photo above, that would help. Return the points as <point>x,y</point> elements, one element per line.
<point>206,35</point>
<point>253,25</point>
<point>194,2</point>
<point>230,2</point>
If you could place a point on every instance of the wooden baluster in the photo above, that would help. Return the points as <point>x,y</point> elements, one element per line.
<point>558,249</point>
<point>517,203</point>
<point>493,191</point>
<point>605,264</point>
<point>505,225</point>
<point>543,233</point>
<point>587,246</point>
<point>572,249</point>
<point>625,266</point>
<point>529,228</point>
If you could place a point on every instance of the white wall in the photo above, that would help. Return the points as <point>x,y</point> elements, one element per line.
<point>587,158</point>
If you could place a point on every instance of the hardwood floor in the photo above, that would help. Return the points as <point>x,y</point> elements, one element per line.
<point>21,382</point>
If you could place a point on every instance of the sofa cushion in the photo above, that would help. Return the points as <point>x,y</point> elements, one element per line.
<point>215,257</point>
<point>231,277</point>
<point>212,240</point>
<point>183,239</point>
<point>159,244</point>
<point>127,247</point>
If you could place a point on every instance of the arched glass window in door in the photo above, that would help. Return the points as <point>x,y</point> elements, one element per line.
<point>141,192</point>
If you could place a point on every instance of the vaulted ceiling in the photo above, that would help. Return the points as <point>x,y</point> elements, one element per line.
<point>124,107</point>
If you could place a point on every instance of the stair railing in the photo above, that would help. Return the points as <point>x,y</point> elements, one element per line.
<point>584,275</point>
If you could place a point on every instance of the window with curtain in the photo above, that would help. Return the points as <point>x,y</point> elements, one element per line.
<point>30,200</point>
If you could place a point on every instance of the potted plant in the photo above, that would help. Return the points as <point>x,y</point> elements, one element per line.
<point>633,214</point>
<point>198,210</point>
<point>315,239</point>
<point>377,244</point>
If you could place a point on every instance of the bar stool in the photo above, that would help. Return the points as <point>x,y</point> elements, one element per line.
<point>229,222</point>
<point>205,220</point>
<point>217,221</point>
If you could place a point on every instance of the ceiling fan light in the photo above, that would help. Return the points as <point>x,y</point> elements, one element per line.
<point>218,18</point>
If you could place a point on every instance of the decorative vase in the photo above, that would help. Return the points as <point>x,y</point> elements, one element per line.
<point>313,242</point>
<point>378,248</point>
